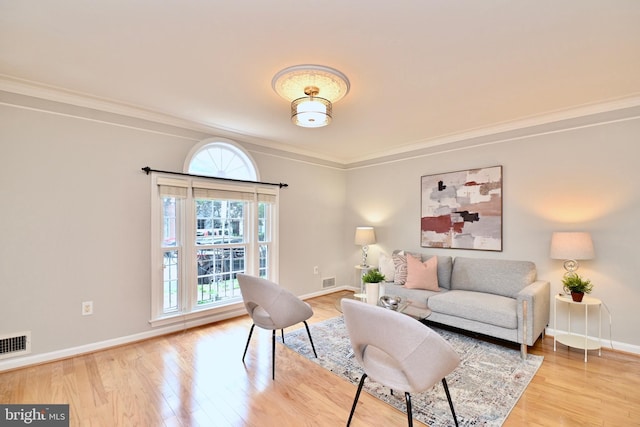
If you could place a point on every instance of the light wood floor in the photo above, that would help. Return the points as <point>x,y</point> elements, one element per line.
<point>196,378</point>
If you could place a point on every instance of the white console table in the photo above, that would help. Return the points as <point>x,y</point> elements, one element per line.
<point>574,339</point>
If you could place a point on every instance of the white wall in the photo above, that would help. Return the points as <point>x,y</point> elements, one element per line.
<point>580,179</point>
<point>75,226</point>
<point>311,222</point>
<point>75,223</point>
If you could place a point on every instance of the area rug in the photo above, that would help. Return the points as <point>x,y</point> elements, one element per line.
<point>484,388</point>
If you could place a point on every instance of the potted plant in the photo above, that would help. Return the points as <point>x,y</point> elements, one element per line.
<point>577,286</point>
<point>372,278</point>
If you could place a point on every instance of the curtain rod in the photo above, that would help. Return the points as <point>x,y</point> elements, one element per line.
<point>148,170</point>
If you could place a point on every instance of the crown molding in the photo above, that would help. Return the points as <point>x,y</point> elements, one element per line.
<point>64,96</point>
<point>572,118</point>
<point>581,116</point>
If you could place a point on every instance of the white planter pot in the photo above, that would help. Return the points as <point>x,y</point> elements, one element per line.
<point>373,293</point>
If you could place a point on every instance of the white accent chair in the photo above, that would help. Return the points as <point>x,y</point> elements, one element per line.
<point>272,307</point>
<point>397,351</point>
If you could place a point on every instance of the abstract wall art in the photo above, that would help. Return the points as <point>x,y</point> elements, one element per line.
<point>462,210</point>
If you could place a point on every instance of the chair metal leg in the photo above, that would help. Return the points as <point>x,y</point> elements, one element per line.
<point>407,397</point>
<point>355,401</point>
<point>273,354</point>
<point>309,333</point>
<point>248,339</point>
<point>282,334</point>
<point>446,390</point>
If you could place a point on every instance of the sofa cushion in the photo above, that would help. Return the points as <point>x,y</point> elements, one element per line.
<point>444,267</point>
<point>422,275</point>
<point>418,297</point>
<point>494,276</point>
<point>444,270</point>
<point>477,306</point>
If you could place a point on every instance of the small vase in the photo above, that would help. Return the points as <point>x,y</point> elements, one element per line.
<point>577,296</point>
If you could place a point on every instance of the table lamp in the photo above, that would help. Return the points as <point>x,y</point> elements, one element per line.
<point>571,246</point>
<point>365,236</point>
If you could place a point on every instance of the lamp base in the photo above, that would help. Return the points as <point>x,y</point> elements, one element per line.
<point>571,265</point>
<point>365,249</point>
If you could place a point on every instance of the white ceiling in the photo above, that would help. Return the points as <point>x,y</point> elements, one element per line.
<point>420,71</point>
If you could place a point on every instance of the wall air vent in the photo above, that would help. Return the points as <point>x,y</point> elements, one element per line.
<point>13,345</point>
<point>328,282</point>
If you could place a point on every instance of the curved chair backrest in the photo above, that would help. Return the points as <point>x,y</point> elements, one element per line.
<point>396,350</point>
<point>283,308</point>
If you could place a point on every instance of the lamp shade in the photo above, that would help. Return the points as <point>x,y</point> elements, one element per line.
<point>365,236</point>
<point>571,246</point>
<point>311,112</point>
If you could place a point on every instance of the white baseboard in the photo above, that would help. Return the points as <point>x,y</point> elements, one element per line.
<point>606,343</point>
<point>329,291</point>
<point>20,362</point>
<point>175,326</point>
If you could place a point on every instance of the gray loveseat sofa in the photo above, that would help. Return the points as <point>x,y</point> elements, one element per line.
<point>498,298</point>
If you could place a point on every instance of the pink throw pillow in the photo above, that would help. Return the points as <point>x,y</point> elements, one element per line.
<point>422,275</point>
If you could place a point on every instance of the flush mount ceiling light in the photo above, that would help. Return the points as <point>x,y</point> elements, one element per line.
<point>311,89</point>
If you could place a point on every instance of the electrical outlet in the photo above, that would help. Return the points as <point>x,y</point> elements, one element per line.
<point>87,308</point>
<point>316,270</point>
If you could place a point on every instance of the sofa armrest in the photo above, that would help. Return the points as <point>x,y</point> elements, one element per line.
<point>537,298</point>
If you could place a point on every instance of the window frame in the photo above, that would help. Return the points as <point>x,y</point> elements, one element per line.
<point>187,248</point>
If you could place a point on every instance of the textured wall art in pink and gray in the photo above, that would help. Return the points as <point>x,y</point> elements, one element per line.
<point>462,210</point>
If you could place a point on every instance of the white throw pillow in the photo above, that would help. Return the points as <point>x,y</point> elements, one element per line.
<point>386,267</point>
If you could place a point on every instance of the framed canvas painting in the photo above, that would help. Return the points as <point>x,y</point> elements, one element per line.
<point>462,210</point>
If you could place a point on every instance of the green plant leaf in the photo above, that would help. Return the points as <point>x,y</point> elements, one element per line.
<point>575,283</point>
<point>373,276</point>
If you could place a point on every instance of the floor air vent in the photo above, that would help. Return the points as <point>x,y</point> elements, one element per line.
<point>328,282</point>
<point>15,345</point>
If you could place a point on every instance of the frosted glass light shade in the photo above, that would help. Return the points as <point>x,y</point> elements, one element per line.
<point>311,112</point>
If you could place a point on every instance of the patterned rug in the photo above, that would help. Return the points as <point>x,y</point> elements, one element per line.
<point>484,388</point>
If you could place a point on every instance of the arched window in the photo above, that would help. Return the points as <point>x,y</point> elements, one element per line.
<point>222,159</point>
<point>207,230</point>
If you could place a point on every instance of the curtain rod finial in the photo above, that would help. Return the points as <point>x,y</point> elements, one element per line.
<point>147,169</point>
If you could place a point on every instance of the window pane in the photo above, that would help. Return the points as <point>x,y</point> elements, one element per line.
<point>171,281</point>
<point>264,213</point>
<point>217,269</point>
<point>219,222</point>
<point>222,160</point>
<point>263,270</point>
<point>169,221</point>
